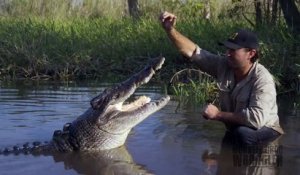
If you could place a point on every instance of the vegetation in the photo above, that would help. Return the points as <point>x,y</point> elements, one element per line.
<point>46,48</point>
<point>193,86</point>
<point>83,39</point>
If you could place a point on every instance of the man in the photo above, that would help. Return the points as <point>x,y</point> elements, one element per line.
<point>246,88</point>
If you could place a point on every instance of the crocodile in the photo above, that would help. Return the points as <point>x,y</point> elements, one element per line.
<point>107,122</point>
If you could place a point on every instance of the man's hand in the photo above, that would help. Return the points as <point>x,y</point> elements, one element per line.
<point>168,20</point>
<point>182,43</point>
<point>210,112</point>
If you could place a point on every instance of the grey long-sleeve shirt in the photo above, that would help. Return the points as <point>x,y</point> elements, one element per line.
<point>254,97</point>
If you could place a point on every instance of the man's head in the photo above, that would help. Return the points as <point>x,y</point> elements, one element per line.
<point>242,45</point>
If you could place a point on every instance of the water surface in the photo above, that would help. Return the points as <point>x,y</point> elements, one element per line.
<point>169,142</point>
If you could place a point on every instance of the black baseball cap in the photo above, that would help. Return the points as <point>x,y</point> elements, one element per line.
<point>241,39</point>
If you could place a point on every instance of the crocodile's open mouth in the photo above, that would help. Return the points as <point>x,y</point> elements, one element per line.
<point>118,94</point>
<point>117,116</point>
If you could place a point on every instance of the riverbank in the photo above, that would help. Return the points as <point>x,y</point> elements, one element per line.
<point>112,49</point>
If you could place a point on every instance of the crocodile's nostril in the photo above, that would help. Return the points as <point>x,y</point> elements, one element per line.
<point>66,126</point>
<point>57,133</point>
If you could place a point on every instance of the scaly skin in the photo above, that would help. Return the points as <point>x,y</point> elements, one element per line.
<point>106,124</point>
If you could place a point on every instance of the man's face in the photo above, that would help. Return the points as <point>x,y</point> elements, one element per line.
<point>240,58</point>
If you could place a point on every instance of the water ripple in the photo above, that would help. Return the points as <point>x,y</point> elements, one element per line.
<point>167,142</point>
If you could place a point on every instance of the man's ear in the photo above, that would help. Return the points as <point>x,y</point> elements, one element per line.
<point>252,53</point>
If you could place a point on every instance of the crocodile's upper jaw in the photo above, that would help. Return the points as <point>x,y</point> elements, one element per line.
<point>107,123</point>
<point>121,117</point>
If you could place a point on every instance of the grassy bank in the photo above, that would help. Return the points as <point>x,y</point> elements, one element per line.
<point>89,48</point>
<point>94,41</point>
<point>76,48</point>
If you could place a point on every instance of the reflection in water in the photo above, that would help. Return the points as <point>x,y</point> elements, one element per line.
<point>167,142</point>
<point>249,159</point>
<point>116,161</point>
<point>111,162</point>
<point>240,159</point>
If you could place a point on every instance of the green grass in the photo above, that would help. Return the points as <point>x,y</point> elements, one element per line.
<point>90,48</point>
<point>100,41</point>
<point>195,92</point>
<point>77,48</point>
